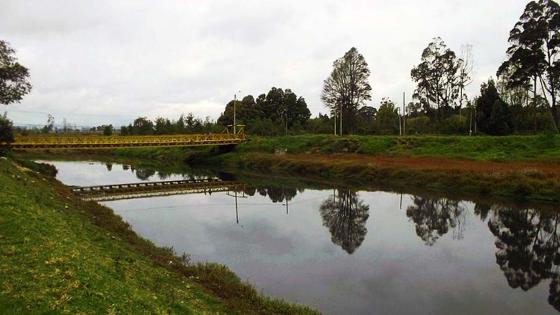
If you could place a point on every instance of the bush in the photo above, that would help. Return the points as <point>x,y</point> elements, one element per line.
<point>418,125</point>
<point>454,125</point>
<point>6,133</point>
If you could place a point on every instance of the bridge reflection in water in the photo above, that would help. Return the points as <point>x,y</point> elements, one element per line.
<point>154,189</point>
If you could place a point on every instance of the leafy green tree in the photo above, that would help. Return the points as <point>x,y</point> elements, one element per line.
<point>277,110</point>
<point>387,118</point>
<point>180,124</point>
<point>245,111</point>
<point>347,88</point>
<point>295,111</point>
<point>143,126</point>
<point>438,77</point>
<point>107,130</point>
<point>6,132</point>
<point>163,126</point>
<point>273,106</point>
<point>365,120</point>
<point>14,77</point>
<point>493,115</point>
<point>534,54</point>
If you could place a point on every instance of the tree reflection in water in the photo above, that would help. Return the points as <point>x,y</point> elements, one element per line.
<point>144,173</point>
<point>434,217</point>
<point>527,244</point>
<point>345,216</point>
<point>278,194</point>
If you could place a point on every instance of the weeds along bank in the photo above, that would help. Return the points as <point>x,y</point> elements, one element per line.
<point>64,255</point>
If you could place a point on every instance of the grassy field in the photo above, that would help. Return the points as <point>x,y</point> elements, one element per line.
<point>62,255</point>
<point>511,148</point>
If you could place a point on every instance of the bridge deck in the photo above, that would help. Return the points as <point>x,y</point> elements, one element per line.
<point>96,142</point>
<point>153,189</point>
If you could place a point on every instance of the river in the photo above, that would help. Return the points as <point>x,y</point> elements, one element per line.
<point>351,252</point>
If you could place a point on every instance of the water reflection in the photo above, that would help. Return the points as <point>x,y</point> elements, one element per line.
<point>345,215</point>
<point>433,218</point>
<point>528,244</point>
<point>294,257</point>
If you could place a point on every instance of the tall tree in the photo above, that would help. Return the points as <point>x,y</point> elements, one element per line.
<point>14,77</point>
<point>295,111</point>
<point>347,88</point>
<point>387,118</point>
<point>437,77</point>
<point>492,112</point>
<point>534,54</point>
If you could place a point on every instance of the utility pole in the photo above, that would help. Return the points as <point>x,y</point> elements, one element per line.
<point>400,125</point>
<point>234,110</point>
<point>404,111</point>
<point>340,119</point>
<point>236,211</point>
<point>334,118</point>
<point>286,118</point>
<point>475,125</point>
<point>234,121</point>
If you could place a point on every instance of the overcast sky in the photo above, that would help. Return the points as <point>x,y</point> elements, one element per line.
<point>96,62</point>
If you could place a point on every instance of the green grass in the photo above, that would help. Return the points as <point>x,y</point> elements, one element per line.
<point>62,255</point>
<point>484,148</point>
<point>480,148</point>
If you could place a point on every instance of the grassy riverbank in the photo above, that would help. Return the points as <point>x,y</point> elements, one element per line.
<point>504,149</point>
<point>511,148</point>
<point>59,254</point>
<point>524,168</point>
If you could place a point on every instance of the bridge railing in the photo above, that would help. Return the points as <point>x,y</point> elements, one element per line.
<point>85,141</point>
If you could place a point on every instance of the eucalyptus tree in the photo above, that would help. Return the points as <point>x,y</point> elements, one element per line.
<point>14,77</point>
<point>347,88</point>
<point>438,79</point>
<point>534,54</point>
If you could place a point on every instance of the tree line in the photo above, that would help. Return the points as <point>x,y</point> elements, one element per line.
<point>523,98</point>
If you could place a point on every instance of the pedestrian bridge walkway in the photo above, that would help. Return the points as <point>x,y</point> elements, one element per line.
<point>106,142</point>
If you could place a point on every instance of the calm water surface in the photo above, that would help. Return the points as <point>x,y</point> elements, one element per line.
<point>353,252</point>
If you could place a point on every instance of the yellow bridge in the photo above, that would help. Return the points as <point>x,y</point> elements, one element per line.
<point>154,189</point>
<point>104,142</point>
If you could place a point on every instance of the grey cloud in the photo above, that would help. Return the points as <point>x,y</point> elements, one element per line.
<point>110,61</point>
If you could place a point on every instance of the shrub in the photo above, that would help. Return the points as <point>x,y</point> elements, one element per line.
<point>6,133</point>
